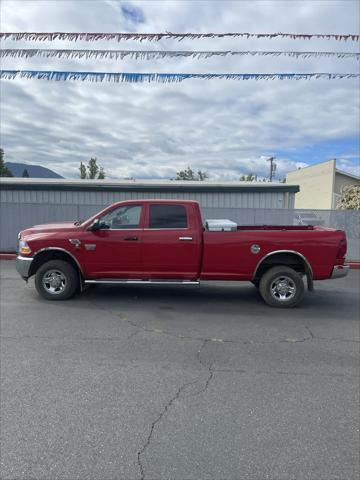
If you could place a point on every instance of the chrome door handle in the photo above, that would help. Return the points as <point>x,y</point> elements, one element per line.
<point>185,239</point>
<point>130,238</point>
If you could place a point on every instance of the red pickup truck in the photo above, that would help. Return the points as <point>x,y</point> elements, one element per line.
<point>166,242</point>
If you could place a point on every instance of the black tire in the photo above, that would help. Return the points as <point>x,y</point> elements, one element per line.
<point>256,283</point>
<point>282,287</point>
<point>56,280</point>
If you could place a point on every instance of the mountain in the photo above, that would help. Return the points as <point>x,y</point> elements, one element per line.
<point>34,171</point>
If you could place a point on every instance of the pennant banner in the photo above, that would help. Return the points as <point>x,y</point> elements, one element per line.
<point>120,77</point>
<point>91,37</point>
<point>158,54</point>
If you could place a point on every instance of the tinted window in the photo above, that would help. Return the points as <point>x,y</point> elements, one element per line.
<point>167,216</point>
<point>127,216</point>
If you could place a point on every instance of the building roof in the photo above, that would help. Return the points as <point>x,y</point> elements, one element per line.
<point>341,172</point>
<point>347,174</point>
<point>15,183</point>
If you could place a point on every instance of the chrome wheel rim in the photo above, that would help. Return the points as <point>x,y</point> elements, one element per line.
<point>283,288</point>
<point>54,282</point>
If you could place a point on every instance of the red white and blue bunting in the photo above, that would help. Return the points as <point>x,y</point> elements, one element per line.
<point>159,54</point>
<point>124,77</point>
<point>92,37</point>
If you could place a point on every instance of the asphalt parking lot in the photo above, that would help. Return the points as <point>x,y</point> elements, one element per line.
<point>179,383</point>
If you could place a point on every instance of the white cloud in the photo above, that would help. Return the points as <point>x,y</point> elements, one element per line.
<point>343,163</point>
<point>151,130</point>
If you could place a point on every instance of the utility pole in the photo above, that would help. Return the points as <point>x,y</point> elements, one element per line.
<point>272,167</point>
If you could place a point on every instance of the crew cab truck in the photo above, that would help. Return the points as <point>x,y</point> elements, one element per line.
<point>165,241</point>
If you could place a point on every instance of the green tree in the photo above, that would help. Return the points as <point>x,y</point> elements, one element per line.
<point>201,176</point>
<point>101,175</point>
<point>248,178</point>
<point>25,173</point>
<point>4,171</point>
<point>189,174</point>
<point>92,170</point>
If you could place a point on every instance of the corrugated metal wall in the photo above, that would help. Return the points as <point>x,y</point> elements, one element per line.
<point>103,198</point>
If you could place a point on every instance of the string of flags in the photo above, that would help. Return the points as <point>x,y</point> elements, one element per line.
<point>92,37</point>
<point>159,54</point>
<point>129,77</point>
<point>124,77</point>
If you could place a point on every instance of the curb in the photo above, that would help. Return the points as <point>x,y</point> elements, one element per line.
<point>7,256</point>
<point>354,265</point>
<point>12,256</point>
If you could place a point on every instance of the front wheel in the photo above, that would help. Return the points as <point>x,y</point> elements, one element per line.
<point>282,287</point>
<point>56,280</point>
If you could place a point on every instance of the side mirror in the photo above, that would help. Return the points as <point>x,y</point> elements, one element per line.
<point>95,225</point>
<point>98,225</point>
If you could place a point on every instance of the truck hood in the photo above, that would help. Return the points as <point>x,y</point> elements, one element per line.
<point>49,228</point>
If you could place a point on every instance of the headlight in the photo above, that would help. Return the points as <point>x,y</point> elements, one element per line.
<point>24,247</point>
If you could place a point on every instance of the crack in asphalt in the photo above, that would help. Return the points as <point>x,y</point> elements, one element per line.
<point>311,336</point>
<point>202,339</point>
<point>158,420</point>
<point>172,401</point>
<point>280,372</point>
<point>337,339</point>
<point>309,330</point>
<point>208,367</point>
<point>132,335</point>
<point>181,337</point>
<point>73,338</point>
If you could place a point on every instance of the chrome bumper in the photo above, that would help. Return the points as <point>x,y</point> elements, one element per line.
<point>23,266</point>
<point>340,271</point>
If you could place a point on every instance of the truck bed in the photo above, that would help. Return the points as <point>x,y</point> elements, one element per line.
<point>232,256</point>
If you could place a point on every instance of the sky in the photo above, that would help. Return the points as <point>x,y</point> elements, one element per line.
<point>224,127</point>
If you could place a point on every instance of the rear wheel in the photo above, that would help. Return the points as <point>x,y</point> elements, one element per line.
<point>56,280</point>
<point>282,287</point>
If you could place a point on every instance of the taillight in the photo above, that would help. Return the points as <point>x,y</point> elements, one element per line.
<point>341,248</point>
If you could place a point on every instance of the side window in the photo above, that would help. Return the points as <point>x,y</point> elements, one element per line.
<point>127,216</point>
<point>168,216</point>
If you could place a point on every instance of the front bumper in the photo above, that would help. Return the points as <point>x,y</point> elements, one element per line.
<point>23,266</point>
<point>340,271</point>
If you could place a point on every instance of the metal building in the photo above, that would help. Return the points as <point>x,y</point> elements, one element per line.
<point>26,201</point>
<point>103,192</point>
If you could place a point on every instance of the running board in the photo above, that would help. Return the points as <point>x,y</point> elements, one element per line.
<point>145,282</point>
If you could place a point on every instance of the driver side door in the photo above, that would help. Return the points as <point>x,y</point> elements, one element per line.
<point>114,251</point>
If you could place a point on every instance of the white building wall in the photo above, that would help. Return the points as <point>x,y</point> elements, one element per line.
<point>316,185</point>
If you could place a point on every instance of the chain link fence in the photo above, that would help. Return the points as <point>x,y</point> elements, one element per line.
<point>15,217</point>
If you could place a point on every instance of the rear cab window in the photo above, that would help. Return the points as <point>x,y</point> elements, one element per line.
<point>163,216</point>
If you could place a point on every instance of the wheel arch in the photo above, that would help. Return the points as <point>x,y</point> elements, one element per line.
<point>290,258</point>
<point>54,253</point>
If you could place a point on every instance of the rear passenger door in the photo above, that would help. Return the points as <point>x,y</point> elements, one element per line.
<point>171,247</point>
